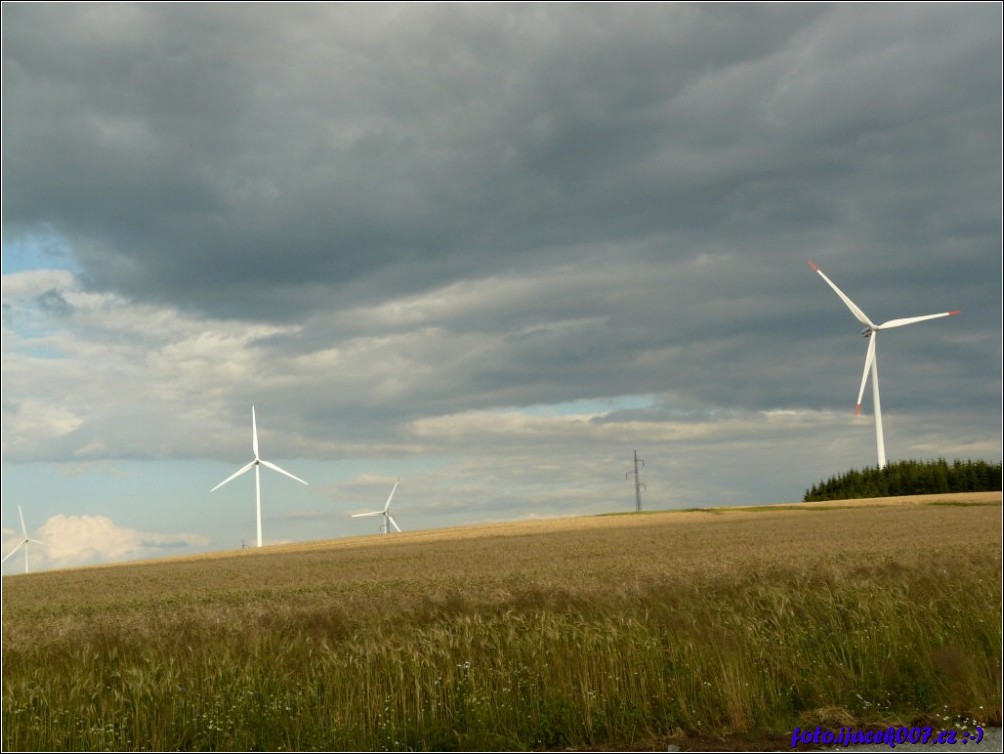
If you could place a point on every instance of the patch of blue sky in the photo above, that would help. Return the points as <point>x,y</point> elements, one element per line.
<point>40,352</point>
<point>41,251</point>
<point>348,469</point>
<point>589,406</point>
<point>31,323</point>
<point>130,492</point>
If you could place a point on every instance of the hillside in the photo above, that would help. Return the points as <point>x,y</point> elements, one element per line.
<point>543,526</point>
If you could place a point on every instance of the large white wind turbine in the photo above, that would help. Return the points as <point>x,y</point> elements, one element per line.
<point>255,464</point>
<point>871,361</point>
<point>23,543</point>
<point>388,520</point>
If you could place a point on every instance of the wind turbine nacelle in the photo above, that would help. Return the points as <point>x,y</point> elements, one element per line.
<point>866,333</point>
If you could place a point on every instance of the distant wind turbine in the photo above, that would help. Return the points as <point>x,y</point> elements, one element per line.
<point>23,543</point>
<point>258,461</point>
<point>388,520</point>
<point>871,361</point>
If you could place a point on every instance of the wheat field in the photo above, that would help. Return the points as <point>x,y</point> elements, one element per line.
<point>562,633</point>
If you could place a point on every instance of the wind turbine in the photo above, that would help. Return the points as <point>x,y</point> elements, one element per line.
<point>23,543</point>
<point>255,464</point>
<point>388,520</point>
<point>871,361</point>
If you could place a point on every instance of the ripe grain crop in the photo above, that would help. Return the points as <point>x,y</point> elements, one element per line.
<point>599,631</point>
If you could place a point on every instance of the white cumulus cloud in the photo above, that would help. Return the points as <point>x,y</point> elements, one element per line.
<point>87,540</point>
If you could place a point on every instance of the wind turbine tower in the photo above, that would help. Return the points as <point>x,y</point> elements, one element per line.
<point>871,331</point>
<point>257,462</point>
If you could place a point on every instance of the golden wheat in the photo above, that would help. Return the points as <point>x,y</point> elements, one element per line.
<point>567,632</point>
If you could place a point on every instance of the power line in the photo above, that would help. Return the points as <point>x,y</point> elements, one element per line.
<point>637,481</point>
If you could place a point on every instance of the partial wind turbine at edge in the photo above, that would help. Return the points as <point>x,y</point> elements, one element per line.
<point>25,541</point>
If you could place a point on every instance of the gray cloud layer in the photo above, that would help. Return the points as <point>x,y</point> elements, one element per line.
<point>420,210</point>
<point>252,161</point>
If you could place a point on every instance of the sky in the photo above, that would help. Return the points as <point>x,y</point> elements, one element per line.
<point>488,249</point>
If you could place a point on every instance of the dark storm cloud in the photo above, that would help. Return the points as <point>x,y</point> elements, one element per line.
<point>253,160</point>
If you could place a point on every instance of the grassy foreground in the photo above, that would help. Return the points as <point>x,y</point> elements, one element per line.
<point>588,632</point>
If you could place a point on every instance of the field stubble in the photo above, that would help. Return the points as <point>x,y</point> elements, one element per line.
<point>603,631</point>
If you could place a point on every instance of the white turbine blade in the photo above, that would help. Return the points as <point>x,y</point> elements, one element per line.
<point>9,554</point>
<point>37,542</point>
<point>23,527</point>
<point>281,471</point>
<point>234,476</point>
<point>365,515</point>
<point>387,504</point>
<point>911,320</point>
<point>860,315</point>
<point>869,361</point>
<point>393,522</point>
<point>254,434</point>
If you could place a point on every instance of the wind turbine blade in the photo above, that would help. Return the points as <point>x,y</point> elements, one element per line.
<point>23,527</point>
<point>387,504</point>
<point>869,360</point>
<point>393,522</point>
<point>365,515</point>
<point>860,315</point>
<point>254,434</point>
<point>234,476</point>
<point>281,471</point>
<point>9,554</point>
<point>37,542</point>
<point>911,320</point>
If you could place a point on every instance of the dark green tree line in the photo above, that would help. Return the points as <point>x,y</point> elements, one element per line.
<point>909,478</point>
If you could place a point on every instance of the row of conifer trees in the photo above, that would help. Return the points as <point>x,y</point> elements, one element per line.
<point>909,478</point>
